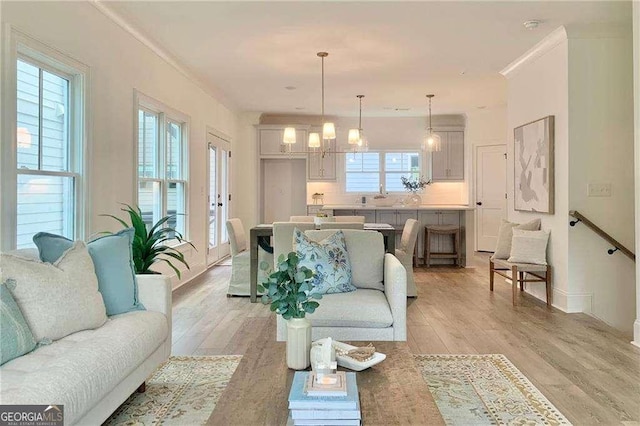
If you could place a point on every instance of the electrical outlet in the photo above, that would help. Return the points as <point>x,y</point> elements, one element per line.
<point>599,190</point>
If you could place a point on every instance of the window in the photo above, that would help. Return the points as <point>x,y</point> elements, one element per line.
<point>375,171</point>
<point>398,164</point>
<point>162,178</point>
<point>48,150</point>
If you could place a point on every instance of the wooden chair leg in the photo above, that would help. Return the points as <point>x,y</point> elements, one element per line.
<point>548,283</point>
<point>521,277</point>
<point>514,284</point>
<point>491,273</point>
<point>427,248</point>
<point>457,247</point>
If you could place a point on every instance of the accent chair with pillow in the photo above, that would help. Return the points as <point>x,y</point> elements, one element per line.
<point>240,283</point>
<point>85,358</point>
<point>376,309</point>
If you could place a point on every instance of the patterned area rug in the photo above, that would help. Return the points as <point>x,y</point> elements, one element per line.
<point>485,390</point>
<point>184,391</point>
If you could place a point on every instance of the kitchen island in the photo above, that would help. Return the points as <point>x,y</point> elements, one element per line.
<point>397,215</point>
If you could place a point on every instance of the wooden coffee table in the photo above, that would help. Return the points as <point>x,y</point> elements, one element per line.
<point>392,392</point>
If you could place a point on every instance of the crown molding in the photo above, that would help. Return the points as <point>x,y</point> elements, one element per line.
<point>556,37</point>
<point>164,54</point>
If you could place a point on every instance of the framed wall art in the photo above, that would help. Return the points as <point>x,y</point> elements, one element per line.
<point>533,166</point>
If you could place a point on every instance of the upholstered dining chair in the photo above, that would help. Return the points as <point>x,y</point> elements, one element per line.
<point>240,260</point>
<point>359,219</point>
<point>301,219</point>
<point>342,225</point>
<point>283,236</point>
<point>405,253</point>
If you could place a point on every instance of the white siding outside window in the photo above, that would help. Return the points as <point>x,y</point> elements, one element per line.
<point>375,171</point>
<point>46,176</point>
<point>162,179</point>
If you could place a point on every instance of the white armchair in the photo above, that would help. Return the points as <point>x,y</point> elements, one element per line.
<point>377,310</point>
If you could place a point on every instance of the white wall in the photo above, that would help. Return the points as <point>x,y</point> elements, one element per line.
<point>636,91</point>
<point>119,63</point>
<point>536,89</point>
<point>583,79</point>
<point>601,151</point>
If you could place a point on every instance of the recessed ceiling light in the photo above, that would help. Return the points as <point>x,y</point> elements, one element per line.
<point>531,24</point>
<point>463,72</point>
<point>290,87</point>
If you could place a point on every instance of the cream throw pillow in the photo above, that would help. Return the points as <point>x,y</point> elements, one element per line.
<point>505,234</point>
<point>56,299</point>
<point>529,247</point>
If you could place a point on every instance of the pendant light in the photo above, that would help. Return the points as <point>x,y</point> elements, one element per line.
<point>432,140</point>
<point>363,143</point>
<point>355,135</point>
<point>328,128</point>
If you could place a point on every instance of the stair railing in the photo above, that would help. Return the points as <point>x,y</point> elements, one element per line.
<point>617,246</point>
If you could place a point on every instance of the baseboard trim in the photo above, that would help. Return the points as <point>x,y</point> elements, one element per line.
<point>572,302</point>
<point>636,333</point>
<point>175,284</point>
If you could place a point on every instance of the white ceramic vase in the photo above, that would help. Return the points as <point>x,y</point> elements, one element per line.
<point>298,343</point>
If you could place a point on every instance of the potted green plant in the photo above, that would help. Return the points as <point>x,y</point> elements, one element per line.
<point>149,247</point>
<point>289,292</point>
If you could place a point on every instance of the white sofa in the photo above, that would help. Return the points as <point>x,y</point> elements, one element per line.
<point>377,310</point>
<point>93,372</point>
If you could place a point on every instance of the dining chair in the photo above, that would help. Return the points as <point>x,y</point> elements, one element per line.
<point>405,253</point>
<point>301,219</point>
<point>239,284</point>
<point>342,225</point>
<point>283,236</point>
<point>359,219</point>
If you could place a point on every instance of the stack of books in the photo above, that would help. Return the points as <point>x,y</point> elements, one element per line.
<point>311,403</point>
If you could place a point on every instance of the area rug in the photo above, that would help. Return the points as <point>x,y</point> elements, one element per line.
<point>485,390</point>
<point>183,391</point>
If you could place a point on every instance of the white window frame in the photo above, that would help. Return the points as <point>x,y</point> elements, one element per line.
<point>165,114</point>
<point>21,46</point>
<point>382,169</point>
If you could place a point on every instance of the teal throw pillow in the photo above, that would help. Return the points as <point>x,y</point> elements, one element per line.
<point>16,338</point>
<point>329,260</point>
<point>112,257</point>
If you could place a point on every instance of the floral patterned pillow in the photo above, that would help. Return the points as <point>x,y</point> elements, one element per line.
<point>329,260</point>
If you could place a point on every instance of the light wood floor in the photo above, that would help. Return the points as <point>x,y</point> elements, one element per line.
<point>587,369</point>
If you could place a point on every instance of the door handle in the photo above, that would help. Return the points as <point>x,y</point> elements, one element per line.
<point>219,204</point>
<point>479,203</point>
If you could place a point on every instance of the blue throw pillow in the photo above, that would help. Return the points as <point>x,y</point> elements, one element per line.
<point>112,257</point>
<point>329,260</point>
<point>16,338</point>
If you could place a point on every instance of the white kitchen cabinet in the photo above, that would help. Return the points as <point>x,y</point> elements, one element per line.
<point>322,168</point>
<point>448,163</point>
<point>270,143</point>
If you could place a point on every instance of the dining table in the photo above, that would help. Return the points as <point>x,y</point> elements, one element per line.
<point>260,235</point>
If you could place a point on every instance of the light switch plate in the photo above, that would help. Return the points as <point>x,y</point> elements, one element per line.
<point>599,190</point>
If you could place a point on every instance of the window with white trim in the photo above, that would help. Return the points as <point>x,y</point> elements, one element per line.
<point>49,138</point>
<point>375,171</point>
<point>162,176</point>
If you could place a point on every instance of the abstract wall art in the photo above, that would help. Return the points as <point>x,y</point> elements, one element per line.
<point>533,166</point>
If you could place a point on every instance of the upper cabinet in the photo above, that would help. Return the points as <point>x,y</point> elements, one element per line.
<point>321,168</point>
<point>448,163</point>
<point>270,142</point>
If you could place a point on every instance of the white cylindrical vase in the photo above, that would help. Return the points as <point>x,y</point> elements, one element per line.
<point>298,343</point>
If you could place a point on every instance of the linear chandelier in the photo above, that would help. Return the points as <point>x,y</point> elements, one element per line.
<point>321,143</point>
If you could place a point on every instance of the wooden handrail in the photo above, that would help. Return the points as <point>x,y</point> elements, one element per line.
<point>608,238</point>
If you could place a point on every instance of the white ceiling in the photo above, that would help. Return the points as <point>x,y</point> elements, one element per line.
<point>392,52</point>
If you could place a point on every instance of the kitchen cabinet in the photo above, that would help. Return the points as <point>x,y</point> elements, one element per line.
<point>270,143</point>
<point>322,168</point>
<point>448,163</point>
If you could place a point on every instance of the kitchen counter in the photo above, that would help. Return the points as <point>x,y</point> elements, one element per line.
<point>368,206</point>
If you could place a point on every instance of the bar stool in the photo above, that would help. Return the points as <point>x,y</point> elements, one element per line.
<point>453,231</point>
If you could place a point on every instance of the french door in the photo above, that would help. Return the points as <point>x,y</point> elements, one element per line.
<point>218,198</point>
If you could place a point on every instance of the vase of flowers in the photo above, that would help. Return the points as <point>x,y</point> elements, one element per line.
<point>289,292</point>
<point>413,185</point>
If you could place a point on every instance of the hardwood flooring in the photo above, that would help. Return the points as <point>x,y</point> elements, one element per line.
<point>587,369</point>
